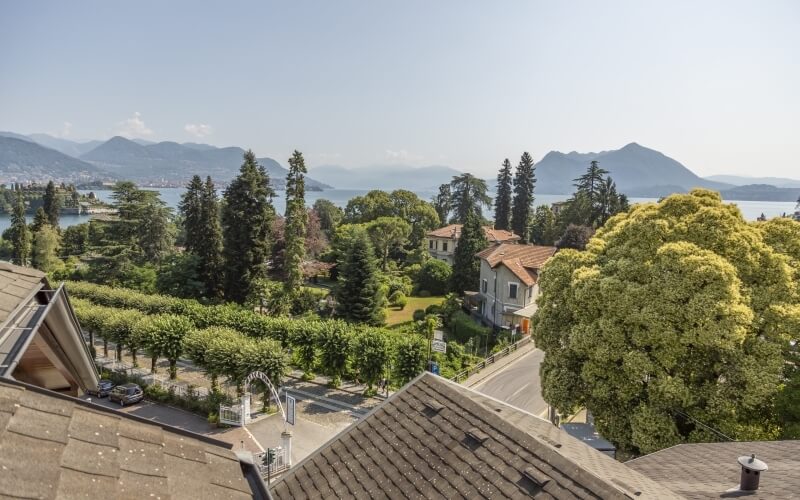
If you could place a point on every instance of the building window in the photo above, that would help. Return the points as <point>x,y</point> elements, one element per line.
<point>484,286</point>
<point>512,290</point>
<point>430,244</point>
<point>444,246</point>
<point>530,292</point>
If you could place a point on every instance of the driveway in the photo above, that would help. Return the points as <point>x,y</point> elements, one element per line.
<point>518,384</point>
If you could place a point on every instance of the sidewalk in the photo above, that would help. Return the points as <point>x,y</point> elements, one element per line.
<point>495,367</point>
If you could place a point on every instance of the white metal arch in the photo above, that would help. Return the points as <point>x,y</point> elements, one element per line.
<point>263,377</point>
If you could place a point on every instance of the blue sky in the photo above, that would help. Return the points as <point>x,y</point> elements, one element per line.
<point>714,84</point>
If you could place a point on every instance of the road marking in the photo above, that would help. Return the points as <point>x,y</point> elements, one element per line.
<point>501,370</point>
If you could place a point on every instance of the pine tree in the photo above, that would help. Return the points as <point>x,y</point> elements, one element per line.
<point>524,183</point>
<point>296,222</point>
<point>190,208</point>
<point>44,255</point>
<point>20,234</point>
<point>466,266</point>
<point>502,203</point>
<point>358,293</point>
<point>211,263</point>
<point>39,220</point>
<point>246,219</point>
<point>468,196</point>
<point>52,204</point>
<point>590,185</point>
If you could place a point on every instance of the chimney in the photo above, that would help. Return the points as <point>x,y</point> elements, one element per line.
<point>751,472</point>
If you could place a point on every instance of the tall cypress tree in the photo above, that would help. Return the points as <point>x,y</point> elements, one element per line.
<point>51,204</point>
<point>521,212</point>
<point>190,208</point>
<point>358,291</point>
<point>296,222</point>
<point>210,249</point>
<point>20,234</point>
<point>442,203</point>
<point>467,267</point>
<point>246,219</point>
<point>502,203</point>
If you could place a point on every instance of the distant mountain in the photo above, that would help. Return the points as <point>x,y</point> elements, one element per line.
<point>737,180</point>
<point>66,146</point>
<point>386,177</point>
<point>16,136</point>
<point>25,160</point>
<point>761,192</point>
<point>173,162</point>
<point>637,170</point>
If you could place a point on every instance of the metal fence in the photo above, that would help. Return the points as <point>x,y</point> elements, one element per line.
<point>279,465</point>
<point>465,374</point>
<point>144,377</point>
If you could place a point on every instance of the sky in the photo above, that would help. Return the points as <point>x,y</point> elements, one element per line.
<point>713,84</point>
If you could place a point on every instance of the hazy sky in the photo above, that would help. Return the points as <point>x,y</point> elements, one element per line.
<point>715,85</point>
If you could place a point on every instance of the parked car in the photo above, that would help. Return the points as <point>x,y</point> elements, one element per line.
<point>103,388</point>
<point>126,394</point>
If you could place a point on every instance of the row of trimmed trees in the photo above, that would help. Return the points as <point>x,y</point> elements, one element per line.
<point>162,326</point>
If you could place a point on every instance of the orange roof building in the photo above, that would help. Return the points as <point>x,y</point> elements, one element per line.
<point>442,242</point>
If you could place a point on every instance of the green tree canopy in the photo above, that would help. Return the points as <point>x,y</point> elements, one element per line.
<point>544,230</point>
<point>466,266</point>
<point>52,203</point>
<point>671,322</point>
<point>330,216</point>
<point>524,183</point>
<point>468,195</point>
<point>246,219</point>
<point>358,294</point>
<point>20,234</point>
<point>296,223</point>
<point>45,249</point>
<point>502,202</point>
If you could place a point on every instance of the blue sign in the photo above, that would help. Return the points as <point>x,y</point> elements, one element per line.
<point>433,367</point>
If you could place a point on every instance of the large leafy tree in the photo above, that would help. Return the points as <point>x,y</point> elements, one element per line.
<point>144,230</point>
<point>45,249</point>
<point>670,324</point>
<point>524,183</point>
<point>468,197</point>
<point>544,230</point>
<point>334,346</point>
<point>410,358</point>
<point>387,233</point>
<point>20,234</point>
<point>52,203</point>
<point>502,202</point>
<point>443,203</point>
<point>358,293</point>
<point>330,216</point>
<point>371,353</point>
<point>246,219</point>
<point>296,223</point>
<point>466,266</point>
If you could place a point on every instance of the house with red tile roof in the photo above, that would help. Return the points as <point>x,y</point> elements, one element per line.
<point>509,284</point>
<point>442,242</point>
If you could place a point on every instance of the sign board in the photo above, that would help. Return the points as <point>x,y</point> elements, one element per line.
<point>290,409</point>
<point>439,346</point>
<point>433,367</point>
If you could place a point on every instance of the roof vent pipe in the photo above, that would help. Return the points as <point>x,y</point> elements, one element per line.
<point>751,472</point>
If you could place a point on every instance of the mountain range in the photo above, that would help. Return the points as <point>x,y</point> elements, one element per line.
<point>42,156</point>
<point>637,170</point>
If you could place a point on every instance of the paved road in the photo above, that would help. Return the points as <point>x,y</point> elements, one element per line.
<point>518,384</point>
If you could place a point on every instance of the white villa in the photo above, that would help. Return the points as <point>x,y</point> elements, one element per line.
<point>442,242</point>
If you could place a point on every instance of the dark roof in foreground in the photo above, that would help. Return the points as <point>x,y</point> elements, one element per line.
<point>56,446</point>
<point>437,439</point>
<point>709,470</point>
<point>16,284</point>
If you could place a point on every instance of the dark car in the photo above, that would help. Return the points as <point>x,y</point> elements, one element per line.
<point>103,389</point>
<point>126,394</point>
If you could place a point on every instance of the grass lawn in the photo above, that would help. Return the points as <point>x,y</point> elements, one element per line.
<point>395,316</point>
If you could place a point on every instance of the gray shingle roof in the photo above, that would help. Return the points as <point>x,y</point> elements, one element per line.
<point>437,439</point>
<point>708,470</point>
<point>54,446</point>
<point>16,284</point>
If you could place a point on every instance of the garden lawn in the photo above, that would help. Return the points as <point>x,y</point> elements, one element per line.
<point>395,316</point>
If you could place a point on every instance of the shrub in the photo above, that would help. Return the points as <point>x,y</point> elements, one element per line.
<point>433,309</point>
<point>398,299</point>
<point>462,327</point>
<point>418,315</point>
<point>434,277</point>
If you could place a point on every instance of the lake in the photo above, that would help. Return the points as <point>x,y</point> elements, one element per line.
<point>750,209</point>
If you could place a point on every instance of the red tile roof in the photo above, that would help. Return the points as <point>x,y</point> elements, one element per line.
<point>529,256</point>
<point>453,231</point>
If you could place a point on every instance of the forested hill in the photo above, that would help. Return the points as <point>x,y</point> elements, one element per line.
<point>170,162</point>
<point>26,159</point>
<point>637,170</point>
